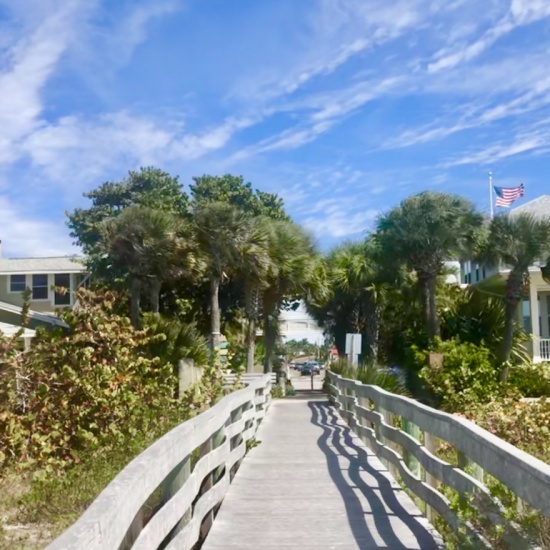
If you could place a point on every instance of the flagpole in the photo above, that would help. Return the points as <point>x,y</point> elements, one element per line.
<point>491,193</point>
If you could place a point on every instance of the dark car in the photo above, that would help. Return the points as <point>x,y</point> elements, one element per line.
<point>309,367</point>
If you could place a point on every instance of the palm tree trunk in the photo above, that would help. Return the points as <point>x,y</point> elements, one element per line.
<point>427,284</point>
<point>135,298</point>
<point>250,344</point>
<point>155,295</point>
<point>215,318</point>
<point>372,327</point>
<point>434,327</point>
<point>514,289</point>
<point>251,310</point>
<point>270,337</point>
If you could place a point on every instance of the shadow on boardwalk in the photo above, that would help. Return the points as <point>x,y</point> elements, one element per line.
<point>371,497</point>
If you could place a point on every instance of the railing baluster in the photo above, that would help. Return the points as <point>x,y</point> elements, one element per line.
<point>410,460</point>
<point>430,444</point>
<point>172,484</point>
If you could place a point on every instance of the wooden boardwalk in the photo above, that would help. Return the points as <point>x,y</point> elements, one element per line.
<point>312,485</point>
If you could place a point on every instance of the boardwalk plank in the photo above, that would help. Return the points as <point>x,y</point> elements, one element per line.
<point>311,484</point>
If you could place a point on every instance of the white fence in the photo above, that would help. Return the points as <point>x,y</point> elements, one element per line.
<point>403,432</point>
<point>189,471</point>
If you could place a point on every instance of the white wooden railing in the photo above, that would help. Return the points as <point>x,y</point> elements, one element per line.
<point>545,349</point>
<point>189,471</point>
<point>403,432</point>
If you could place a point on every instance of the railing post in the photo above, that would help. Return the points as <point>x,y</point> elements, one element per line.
<point>410,460</point>
<point>470,467</point>
<point>282,383</point>
<point>388,419</point>
<point>208,446</point>
<point>431,446</point>
<point>171,486</point>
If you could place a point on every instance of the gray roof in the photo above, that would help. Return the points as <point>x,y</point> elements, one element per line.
<point>62,264</point>
<point>539,207</point>
<point>44,317</point>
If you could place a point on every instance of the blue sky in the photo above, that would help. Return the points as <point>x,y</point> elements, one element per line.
<point>343,107</point>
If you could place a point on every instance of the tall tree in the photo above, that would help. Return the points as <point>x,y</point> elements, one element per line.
<point>223,234</point>
<point>149,187</point>
<point>424,231</point>
<point>517,241</point>
<point>255,264</point>
<point>143,244</point>
<point>233,190</point>
<point>295,273</point>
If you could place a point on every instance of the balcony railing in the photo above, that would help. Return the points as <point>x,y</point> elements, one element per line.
<point>545,349</point>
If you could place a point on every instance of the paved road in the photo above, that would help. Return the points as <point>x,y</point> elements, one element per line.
<point>312,485</point>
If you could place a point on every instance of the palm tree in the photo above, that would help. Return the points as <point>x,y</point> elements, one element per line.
<point>144,244</point>
<point>255,264</point>
<point>296,271</point>
<point>223,233</point>
<point>517,241</point>
<point>424,231</point>
<point>359,271</point>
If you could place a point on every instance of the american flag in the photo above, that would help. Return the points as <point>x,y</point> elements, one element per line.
<point>507,195</point>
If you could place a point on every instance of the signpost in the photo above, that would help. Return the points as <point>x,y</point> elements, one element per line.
<point>353,348</point>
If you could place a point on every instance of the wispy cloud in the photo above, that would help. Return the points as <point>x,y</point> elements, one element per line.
<point>92,147</point>
<point>521,13</point>
<point>29,64</point>
<point>522,143</point>
<point>24,234</point>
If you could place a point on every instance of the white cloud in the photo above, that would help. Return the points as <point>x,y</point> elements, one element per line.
<point>488,155</point>
<point>75,151</point>
<point>340,222</point>
<point>23,234</point>
<point>29,63</point>
<point>521,13</point>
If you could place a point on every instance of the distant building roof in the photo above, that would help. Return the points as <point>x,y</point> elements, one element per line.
<point>62,264</point>
<point>539,207</point>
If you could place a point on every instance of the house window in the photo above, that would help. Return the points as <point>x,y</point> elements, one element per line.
<point>39,287</point>
<point>526,313</point>
<point>484,274</point>
<point>477,274</point>
<point>18,283</point>
<point>62,280</point>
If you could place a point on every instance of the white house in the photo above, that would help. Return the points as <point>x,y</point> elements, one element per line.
<point>534,313</point>
<point>41,276</point>
<point>299,325</point>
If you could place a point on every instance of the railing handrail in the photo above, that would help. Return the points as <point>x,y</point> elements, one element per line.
<point>527,476</point>
<point>108,520</point>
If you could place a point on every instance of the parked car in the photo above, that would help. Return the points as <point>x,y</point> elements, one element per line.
<point>310,367</point>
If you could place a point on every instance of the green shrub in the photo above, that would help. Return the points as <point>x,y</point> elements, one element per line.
<point>467,374</point>
<point>372,374</point>
<point>171,340</point>
<point>531,380</point>
<point>80,391</point>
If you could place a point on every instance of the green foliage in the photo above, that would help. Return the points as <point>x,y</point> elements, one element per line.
<point>232,190</point>
<point>467,374</point>
<point>78,392</point>
<point>424,231</point>
<point>474,316</point>
<point>296,348</point>
<point>531,380</point>
<point>149,187</point>
<point>171,340</point>
<point>372,374</point>
<point>516,241</point>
